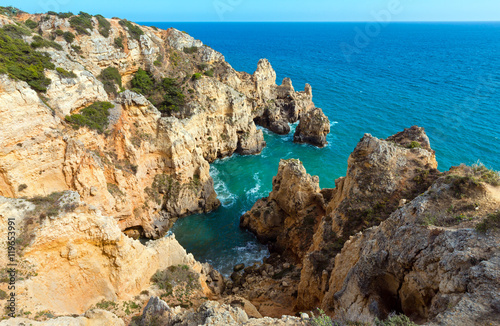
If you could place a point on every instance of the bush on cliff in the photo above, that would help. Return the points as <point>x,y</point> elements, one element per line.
<point>190,50</point>
<point>9,11</point>
<point>491,222</point>
<point>21,61</point>
<point>69,37</point>
<point>119,43</point>
<point>16,32</point>
<point>82,23</point>
<point>134,31</point>
<point>165,94</point>
<point>39,42</point>
<point>104,25</point>
<point>110,77</point>
<point>65,74</point>
<point>31,24</point>
<point>142,82</point>
<point>94,117</point>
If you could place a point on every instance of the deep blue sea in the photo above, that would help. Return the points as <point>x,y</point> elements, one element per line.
<point>444,77</point>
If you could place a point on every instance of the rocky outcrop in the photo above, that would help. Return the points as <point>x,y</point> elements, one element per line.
<point>423,261</point>
<point>69,244</point>
<point>95,317</point>
<point>286,218</point>
<point>213,313</point>
<point>381,174</point>
<point>313,128</point>
<point>148,168</point>
<point>395,235</point>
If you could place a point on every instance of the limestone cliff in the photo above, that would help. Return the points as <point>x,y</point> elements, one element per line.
<point>150,163</point>
<point>73,256</point>
<point>423,259</point>
<point>426,260</point>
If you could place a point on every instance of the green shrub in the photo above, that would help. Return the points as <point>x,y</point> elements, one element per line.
<point>196,76</point>
<point>110,77</point>
<point>39,42</point>
<point>165,94</point>
<point>31,24</point>
<point>414,144</point>
<point>3,295</point>
<point>76,48</point>
<point>158,61</point>
<point>119,43</point>
<point>94,116</point>
<point>490,222</point>
<point>69,37</point>
<point>209,73</point>
<point>134,31</point>
<point>395,320</point>
<point>484,174</point>
<point>15,31</point>
<point>65,14</point>
<point>106,305</point>
<point>142,81</point>
<point>82,23</point>
<point>190,50</point>
<point>173,98</point>
<point>9,11</point>
<point>104,25</point>
<point>65,74</point>
<point>20,61</point>
<point>51,13</point>
<point>202,66</point>
<point>59,32</point>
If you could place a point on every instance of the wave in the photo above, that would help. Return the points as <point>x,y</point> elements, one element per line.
<point>253,193</point>
<point>226,197</point>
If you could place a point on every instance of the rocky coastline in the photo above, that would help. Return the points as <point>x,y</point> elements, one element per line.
<point>111,141</point>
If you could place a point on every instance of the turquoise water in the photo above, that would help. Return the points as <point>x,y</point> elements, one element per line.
<point>444,77</point>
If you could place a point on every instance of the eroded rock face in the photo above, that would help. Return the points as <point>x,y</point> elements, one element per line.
<point>79,257</point>
<point>215,314</point>
<point>95,317</point>
<point>313,128</point>
<point>148,168</point>
<point>286,218</point>
<point>395,235</point>
<point>430,273</point>
<point>380,174</point>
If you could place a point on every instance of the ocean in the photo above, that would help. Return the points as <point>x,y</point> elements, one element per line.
<point>444,77</point>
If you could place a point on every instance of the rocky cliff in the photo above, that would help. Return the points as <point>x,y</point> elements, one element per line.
<point>72,256</point>
<point>148,163</point>
<point>395,235</point>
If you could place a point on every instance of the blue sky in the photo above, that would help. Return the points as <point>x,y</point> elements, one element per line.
<point>273,10</point>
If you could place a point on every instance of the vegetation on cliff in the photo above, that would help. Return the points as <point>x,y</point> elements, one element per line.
<point>110,77</point>
<point>104,25</point>
<point>94,116</point>
<point>82,23</point>
<point>134,30</point>
<point>165,94</point>
<point>21,61</point>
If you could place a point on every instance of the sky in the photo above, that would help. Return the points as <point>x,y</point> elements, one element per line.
<point>273,10</point>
